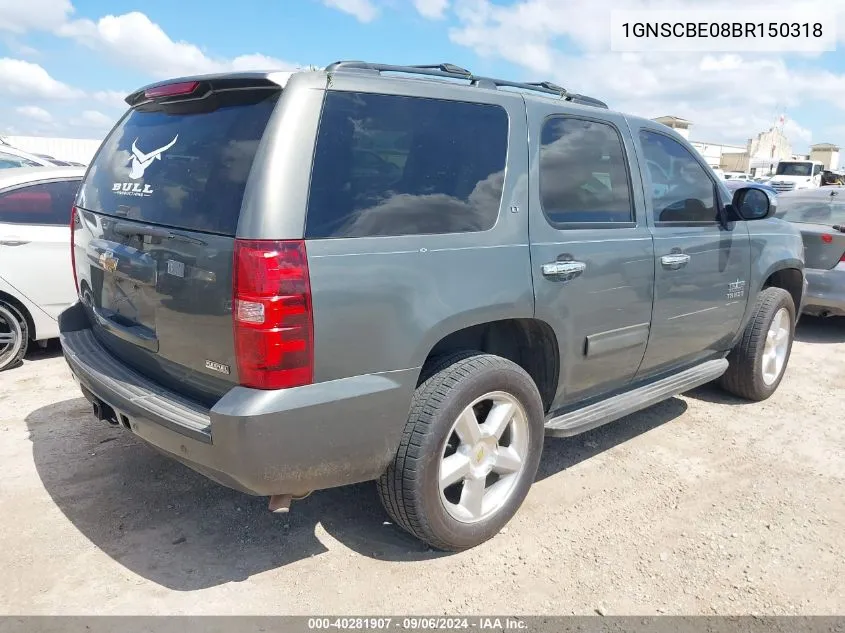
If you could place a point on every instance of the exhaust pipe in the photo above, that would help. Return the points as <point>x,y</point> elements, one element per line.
<point>280,504</point>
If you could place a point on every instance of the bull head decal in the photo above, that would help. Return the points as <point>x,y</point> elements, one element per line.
<point>140,160</point>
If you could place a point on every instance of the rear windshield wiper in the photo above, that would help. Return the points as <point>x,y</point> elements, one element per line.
<point>130,230</point>
<point>156,232</point>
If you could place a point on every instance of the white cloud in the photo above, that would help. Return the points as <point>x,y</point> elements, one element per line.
<point>432,9</point>
<point>113,99</point>
<point>363,10</point>
<point>22,78</point>
<point>729,97</point>
<point>97,118</point>
<point>94,120</point>
<point>17,47</point>
<point>35,113</point>
<point>20,16</point>
<point>135,40</point>
<point>587,24</point>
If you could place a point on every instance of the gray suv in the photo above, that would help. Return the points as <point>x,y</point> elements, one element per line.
<point>409,274</point>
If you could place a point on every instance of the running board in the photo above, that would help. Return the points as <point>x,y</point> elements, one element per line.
<point>619,406</point>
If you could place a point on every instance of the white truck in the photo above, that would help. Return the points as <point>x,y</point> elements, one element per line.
<point>797,174</point>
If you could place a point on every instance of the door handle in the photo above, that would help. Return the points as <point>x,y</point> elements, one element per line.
<point>563,271</point>
<point>675,261</point>
<point>12,241</point>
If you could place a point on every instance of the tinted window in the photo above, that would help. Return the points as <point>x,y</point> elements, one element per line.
<point>10,160</point>
<point>679,187</point>
<point>48,203</point>
<point>583,173</point>
<point>388,165</point>
<point>183,165</point>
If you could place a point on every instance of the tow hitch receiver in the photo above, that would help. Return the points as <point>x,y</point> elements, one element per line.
<point>102,411</point>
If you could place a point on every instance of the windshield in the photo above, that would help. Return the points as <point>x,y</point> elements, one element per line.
<point>794,169</point>
<point>828,210</point>
<point>10,160</point>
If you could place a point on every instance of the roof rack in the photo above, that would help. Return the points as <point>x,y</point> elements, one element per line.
<point>452,71</point>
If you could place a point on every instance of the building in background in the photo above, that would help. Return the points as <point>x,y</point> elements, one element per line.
<point>827,154</point>
<point>75,150</point>
<point>715,153</point>
<point>762,154</point>
<point>681,126</point>
<point>759,156</point>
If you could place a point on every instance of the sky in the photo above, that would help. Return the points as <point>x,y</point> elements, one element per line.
<point>66,65</point>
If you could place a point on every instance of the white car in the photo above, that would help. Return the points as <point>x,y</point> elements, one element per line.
<point>12,157</point>
<point>738,175</point>
<point>36,278</point>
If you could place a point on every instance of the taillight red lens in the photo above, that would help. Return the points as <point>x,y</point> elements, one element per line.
<point>272,314</point>
<point>827,238</point>
<point>171,90</point>
<point>74,220</point>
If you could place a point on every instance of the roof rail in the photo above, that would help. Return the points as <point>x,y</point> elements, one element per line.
<point>452,71</point>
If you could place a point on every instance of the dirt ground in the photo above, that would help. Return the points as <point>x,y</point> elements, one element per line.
<point>700,505</point>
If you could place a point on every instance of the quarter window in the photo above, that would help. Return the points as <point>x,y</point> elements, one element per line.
<point>390,165</point>
<point>679,187</point>
<point>583,173</point>
<point>48,204</point>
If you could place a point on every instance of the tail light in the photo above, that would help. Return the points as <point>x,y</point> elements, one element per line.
<point>272,314</point>
<point>171,90</point>
<point>74,221</point>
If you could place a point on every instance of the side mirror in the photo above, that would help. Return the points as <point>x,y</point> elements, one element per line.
<point>750,203</point>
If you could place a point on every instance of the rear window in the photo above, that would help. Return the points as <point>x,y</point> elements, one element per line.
<point>183,165</point>
<point>813,209</point>
<point>390,165</point>
<point>42,204</point>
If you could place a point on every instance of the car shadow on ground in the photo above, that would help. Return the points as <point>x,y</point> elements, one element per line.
<point>812,330</point>
<point>820,330</point>
<point>176,528</point>
<point>52,349</point>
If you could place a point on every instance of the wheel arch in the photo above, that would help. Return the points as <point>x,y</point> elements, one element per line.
<point>530,343</point>
<point>22,311</point>
<point>789,278</point>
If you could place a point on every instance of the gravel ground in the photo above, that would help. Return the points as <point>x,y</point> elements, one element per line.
<point>700,505</point>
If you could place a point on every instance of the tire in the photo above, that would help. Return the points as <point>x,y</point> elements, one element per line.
<point>454,517</point>
<point>14,336</point>
<point>749,375</point>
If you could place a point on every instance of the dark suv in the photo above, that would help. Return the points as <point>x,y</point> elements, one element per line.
<point>291,282</point>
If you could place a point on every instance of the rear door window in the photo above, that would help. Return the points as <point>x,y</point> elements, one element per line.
<point>583,173</point>
<point>43,204</point>
<point>391,165</point>
<point>183,165</point>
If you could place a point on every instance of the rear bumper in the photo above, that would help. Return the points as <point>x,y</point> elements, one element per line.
<point>825,291</point>
<point>288,441</point>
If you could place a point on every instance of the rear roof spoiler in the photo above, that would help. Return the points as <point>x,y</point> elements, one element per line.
<point>219,81</point>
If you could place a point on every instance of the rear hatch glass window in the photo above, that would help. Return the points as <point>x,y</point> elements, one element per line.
<point>183,164</point>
